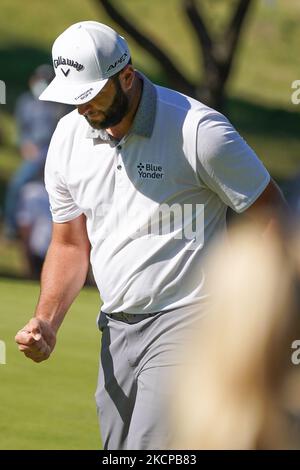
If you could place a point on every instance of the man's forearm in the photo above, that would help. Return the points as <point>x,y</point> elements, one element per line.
<point>63,276</point>
<point>270,210</point>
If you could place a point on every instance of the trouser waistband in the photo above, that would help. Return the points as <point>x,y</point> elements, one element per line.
<point>129,317</point>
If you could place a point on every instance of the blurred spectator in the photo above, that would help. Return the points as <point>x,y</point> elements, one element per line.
<point>231,390</point>
<point>34,225</point>
<point>36,121</point>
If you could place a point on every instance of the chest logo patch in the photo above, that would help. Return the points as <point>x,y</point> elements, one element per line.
<point>150,171</point>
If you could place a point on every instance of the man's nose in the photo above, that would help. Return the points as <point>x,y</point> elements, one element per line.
<point>84,108</point>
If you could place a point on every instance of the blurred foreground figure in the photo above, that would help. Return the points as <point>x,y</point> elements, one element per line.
<point>231,388</point>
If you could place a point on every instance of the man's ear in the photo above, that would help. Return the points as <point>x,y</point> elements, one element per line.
<point>126,77</point>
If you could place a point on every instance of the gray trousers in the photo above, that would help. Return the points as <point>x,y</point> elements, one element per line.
<point>135,377</point>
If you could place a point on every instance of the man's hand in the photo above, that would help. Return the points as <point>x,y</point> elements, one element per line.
<point>36,340</point>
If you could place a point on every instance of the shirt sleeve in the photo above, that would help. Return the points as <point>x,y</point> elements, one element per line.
<point>63,207</point>
<point>227,165</point>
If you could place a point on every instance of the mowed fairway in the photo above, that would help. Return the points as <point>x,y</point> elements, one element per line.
<point>49,405</point>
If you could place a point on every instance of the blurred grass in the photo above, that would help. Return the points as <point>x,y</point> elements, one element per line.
<point>12,262</point>
<point>49,405</point>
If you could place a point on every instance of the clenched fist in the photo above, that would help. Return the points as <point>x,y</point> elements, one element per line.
<point>36,339</point>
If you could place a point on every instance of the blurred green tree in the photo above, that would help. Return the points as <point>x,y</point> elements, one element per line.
<point>217,52</point>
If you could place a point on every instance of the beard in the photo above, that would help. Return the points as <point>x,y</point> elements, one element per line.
<point>115,113</point>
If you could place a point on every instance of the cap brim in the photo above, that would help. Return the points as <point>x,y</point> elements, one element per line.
<point>68,93</point>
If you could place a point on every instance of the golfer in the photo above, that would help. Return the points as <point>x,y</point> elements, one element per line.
<point>139,179</point>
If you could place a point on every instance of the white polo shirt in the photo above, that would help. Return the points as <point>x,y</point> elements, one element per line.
<point>154,200</point>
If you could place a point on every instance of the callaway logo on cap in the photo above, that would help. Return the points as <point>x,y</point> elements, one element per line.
<point>84,57</point>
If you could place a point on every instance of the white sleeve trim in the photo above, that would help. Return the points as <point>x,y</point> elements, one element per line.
<point>67,218</point>
<point>244,206</point>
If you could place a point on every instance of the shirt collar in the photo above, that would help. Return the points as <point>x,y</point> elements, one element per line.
<point>144,119</point>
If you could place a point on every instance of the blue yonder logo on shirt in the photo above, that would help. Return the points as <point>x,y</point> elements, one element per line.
<point>150,171</point>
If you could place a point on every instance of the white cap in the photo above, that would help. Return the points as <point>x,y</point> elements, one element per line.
<point>84,57</point>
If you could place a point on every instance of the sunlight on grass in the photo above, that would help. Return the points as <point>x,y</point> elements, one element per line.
<point>49,405</point>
